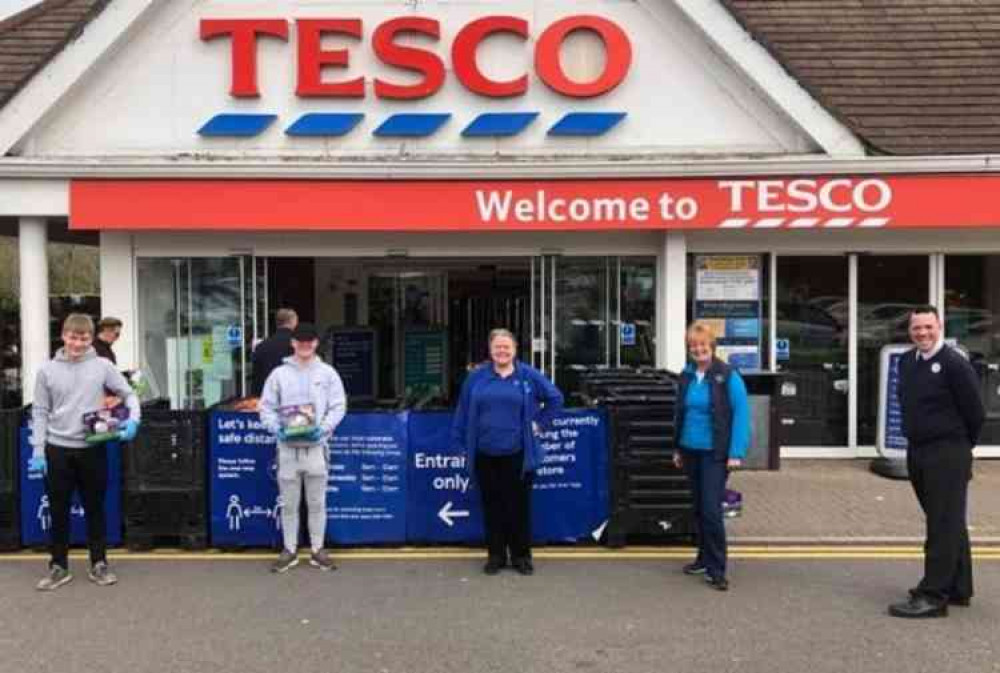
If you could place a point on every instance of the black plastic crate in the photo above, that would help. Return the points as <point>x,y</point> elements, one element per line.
<point>168,453</point>
<point>166,517</point>
<point>10,524</point>
<point>10,436</point>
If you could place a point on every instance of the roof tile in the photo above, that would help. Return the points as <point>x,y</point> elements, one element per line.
<point>32,38</point>
<point>907,76</point>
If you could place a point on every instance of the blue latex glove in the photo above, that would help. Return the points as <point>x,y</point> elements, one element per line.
<point>314,436</point>
<point>130,430</point>
<point>38,465</point>
<point>282,435</point>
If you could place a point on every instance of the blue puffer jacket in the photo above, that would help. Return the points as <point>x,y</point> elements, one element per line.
<point>542,401</point>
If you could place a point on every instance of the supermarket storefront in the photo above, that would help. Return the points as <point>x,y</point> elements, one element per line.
<point>592,177</point>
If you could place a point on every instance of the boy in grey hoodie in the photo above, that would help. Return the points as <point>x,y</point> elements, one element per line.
<point>68,386</point>
<point>303,379</point>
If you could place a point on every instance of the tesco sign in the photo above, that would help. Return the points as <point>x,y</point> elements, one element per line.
<point>314,59</point>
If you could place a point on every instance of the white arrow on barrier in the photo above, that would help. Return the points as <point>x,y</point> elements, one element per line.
<point>599,531</point>
<point>447,514</point>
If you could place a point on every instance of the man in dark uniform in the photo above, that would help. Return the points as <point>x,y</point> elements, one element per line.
<point>272,351</point>
<point>942,414</point>
<point>108,331</point>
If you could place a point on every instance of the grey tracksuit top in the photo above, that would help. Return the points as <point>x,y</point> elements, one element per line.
<point>67,389</point>
<point>317,384</point>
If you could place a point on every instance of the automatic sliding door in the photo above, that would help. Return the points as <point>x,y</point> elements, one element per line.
<point>196,324</point>
<point>586,310</point>
<point>812,333</point>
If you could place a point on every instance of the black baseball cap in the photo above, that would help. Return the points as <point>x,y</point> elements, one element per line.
<point>305,331</point>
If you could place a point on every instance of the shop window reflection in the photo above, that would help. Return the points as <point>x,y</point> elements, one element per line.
<point>889,287</point>
<point>972,307</point>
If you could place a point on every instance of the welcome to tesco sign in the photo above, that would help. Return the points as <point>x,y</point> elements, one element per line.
<point>314,60</point>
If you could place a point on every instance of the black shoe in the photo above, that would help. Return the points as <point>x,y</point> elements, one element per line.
<point>694,569</point>
<point>959,601</point>
<point>493,567</point>
<point>918,607</point>
<point>524,567</point>
<point>717,583</point>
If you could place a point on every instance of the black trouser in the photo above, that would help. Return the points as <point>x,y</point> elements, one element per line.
<point>506,505</point>
<point>708,475</point>
<point>940,474</point>
<point>68,470</point>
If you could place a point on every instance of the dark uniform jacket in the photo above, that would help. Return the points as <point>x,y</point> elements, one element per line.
<point>268,356</point>
<point>103,349</point>
<point>940,398</point>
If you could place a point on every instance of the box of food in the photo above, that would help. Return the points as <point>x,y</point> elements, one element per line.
<point>104,425</point>
<point>297,420</point>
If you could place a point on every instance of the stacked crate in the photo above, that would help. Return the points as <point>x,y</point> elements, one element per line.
<point>164,481</point>
<point>10,433</point>
<point>650,498</point>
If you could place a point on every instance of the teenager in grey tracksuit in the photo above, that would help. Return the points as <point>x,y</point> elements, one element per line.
<point>303,379</point>
<point>68,386</point>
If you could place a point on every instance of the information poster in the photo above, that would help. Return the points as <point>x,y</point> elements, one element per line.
<point>353,353</point>
<point>569,498</point>
<point>425,357</point>
<point>728,296</point>
<point>890,440</point>
<point>366,492</point>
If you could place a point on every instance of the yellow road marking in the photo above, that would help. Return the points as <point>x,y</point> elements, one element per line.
<point>798,552</point>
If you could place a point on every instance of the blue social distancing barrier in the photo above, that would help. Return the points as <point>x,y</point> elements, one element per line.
<point>444,501</point>
<point>394,478</point>
<point>36,516</point>
<point>366,494</point>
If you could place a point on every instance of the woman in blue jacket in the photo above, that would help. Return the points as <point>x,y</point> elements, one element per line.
<point>712,434</point>
<point>503,405</point>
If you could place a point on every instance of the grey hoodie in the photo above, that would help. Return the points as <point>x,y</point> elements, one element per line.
<point>67,389</point>
<point>317,384</point>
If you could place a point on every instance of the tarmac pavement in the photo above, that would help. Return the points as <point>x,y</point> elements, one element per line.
<point>803,613</point>
<point>822,548</point>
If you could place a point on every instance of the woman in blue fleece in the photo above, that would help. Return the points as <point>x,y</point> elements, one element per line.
<point>713,431</point>
<point>503,405</point>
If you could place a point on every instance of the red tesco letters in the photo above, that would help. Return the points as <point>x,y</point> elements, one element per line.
<point>314,59</point>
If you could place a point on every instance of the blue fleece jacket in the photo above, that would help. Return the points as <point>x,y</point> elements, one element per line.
<point>474,421</point>
<point>696,435</point>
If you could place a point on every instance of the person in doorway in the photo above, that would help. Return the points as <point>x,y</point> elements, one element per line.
<point>109,330</point>
<point>303,380</point>
<point>712,422</point>
<point>70,385</point>
<point>942,414</point>
<point>272,351</point>
<point>504,405</point>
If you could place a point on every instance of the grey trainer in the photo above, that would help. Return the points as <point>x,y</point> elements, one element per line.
<point>320,559</point>
<point>101,575</point>
<point>57,577</point>
<point>286,561</point>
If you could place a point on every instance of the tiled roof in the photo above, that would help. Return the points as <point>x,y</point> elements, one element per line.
<point>30,39</point>
<point>907,76</point>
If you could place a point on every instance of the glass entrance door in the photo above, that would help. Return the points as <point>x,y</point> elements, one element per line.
<point>408,310</point>
<point>812,339</point>
<point>591,313</point>
<point>196,318</point>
